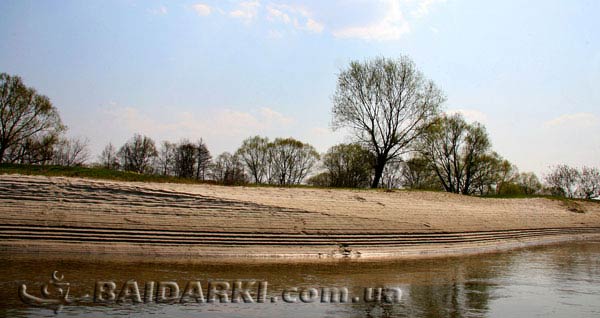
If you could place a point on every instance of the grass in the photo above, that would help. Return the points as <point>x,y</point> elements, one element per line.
<point>90,173</point>
<point>572,204</point>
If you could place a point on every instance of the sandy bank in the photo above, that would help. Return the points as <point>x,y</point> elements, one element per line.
<point>58,217</point>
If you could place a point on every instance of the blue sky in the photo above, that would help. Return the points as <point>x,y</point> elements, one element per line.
<point>226,70</point>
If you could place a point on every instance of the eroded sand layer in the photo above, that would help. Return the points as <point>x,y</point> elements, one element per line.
<point>42,214</point>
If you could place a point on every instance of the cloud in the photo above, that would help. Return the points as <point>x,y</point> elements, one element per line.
<point>278,15</point>
<point>247,10</point>
<point>573,120</point>
<point>202,9</point>
<point>470,114</point>
<point>299,17</point>
<point>392,20</point>
<point>392,24</point>
<point>314,26</point>
<point>272,116</point>
<point>390,27</point>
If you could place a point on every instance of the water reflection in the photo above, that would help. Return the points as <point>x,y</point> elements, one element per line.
<point>553,281</point>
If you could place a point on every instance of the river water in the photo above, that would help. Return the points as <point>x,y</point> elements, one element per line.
<point>550,281</point>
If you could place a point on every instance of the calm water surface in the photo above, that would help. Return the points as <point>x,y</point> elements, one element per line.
<point>551,281</point>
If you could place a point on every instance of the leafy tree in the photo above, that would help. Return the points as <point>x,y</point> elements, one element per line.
<point>185,159</point>
<point>459,154</point>
<point>290,161</point>
<point>29,123</point>
<point>418,174</point>
<point>137,154</point>
<point>387,104</point>
<point>33,150</point>
<point>254,154</point>
<point>489,175</point>
<point>507,176</point>
<point>322,179</point>
<point>348,165</point>
<point>529,183</point>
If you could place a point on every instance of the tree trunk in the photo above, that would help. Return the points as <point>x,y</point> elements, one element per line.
<point>379,165</point>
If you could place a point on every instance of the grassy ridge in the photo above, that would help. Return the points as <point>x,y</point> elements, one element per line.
<point>108,174</point>
<point>92,173</point>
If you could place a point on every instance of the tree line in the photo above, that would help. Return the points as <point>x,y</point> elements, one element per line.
<point>402,139</point>
<point>283,161</point>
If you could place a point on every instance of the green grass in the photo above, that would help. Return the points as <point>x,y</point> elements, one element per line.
<point>528,196</point>
<point>572,205</point>
<point>91,173</point>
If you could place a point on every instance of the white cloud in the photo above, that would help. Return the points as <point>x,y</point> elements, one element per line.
<point>299,17</point>
<point>390,27</point>
<point>247,10</point>
<point>470,115</point>
<point>314,26</point>
<point>202,9</point>
<point>574,120</point>
<point>278,15</point>
<point>393,22</point>
<point>272,116</point>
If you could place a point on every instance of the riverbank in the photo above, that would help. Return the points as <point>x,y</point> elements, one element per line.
<point>58,217</point>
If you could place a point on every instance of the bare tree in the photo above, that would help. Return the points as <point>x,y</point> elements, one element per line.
<point>108,158</point>
<point>387,104</point>
<point>203,160</point>
<point>166,158</point>
<point>589,183</point>
<point>185,159</point>
<point>137,154</point>
<point>254,154</point>
<point>563,180</point>
<point>28,121</point>
<point>71,152</point>
<point>228,170</point>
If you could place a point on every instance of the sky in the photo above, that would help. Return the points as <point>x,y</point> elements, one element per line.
<point>226,70</point>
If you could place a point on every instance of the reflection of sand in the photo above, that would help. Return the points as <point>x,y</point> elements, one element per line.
<point>65,215</point>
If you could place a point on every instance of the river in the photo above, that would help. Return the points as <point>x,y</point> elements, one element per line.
<point>549,281</point>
